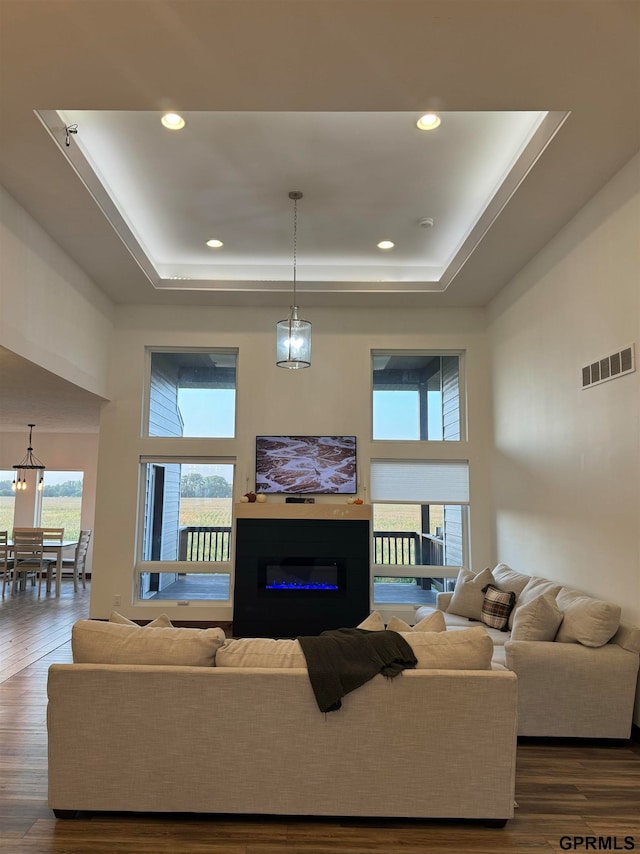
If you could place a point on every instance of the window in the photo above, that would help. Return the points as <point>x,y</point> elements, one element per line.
<point>416,396</point>
<point>7,501</point>
<point>420,520</point>
<point>186,535</point>
<point>61,504</point>
<point>192,394</point>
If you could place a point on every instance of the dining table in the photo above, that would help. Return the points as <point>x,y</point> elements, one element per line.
<point>56,547</point>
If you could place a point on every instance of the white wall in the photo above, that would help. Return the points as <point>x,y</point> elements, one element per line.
<point>51,313</point>
<point>333,396</point>
<point>567,461</point>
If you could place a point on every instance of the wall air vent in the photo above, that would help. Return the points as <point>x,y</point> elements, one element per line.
<point>609,368</point>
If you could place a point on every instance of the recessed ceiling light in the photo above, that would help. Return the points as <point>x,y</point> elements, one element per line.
<point>386,244</point>
<point>215,244</point>
<point>429,121</point>
<point>173,121</point>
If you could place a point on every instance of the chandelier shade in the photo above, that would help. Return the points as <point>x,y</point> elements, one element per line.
<point>293,341</point>
<point>28,463</point>
<point>293,334</point>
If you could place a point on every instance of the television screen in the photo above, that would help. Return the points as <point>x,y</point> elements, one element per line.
<point>320,465</point>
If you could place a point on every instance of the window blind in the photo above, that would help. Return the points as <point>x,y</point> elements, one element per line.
<point>420,481</point>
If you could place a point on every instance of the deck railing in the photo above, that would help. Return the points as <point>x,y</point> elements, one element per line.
<point>205,542</point>
<point>397,547</point>
<point>405,548</point>
<point>410,548</point>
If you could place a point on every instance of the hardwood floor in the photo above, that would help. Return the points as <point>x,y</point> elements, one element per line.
<point>564,790</point>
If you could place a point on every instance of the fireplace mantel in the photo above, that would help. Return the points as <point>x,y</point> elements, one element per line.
<point>281,510</point>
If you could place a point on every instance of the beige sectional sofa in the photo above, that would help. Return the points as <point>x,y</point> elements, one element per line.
<point>197,727</point>
<point>577,665</point>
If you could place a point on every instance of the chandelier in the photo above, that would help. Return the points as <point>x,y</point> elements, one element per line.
<point>293,335</point>
<point>28,463</point>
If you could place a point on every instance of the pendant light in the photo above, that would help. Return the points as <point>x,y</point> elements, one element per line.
<point>28,463</point>
<point>293,335</point>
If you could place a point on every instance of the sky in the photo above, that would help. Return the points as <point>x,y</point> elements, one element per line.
<point>50,477</point>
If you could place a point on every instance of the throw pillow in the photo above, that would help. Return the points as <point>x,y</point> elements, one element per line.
<point>535,587</point>
<point>468,595</point>
<point>433,623</point>
<point>538,620</point>
<point>467,649</point>
<point>508,579</point>
<point>160,622</point>
<point>98,642</point>
<point>497,606</point>
<point>373,623</point>
<point>588,621</point>
<point>260,652</point>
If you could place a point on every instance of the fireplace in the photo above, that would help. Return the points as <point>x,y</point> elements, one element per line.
<point>300,576</point>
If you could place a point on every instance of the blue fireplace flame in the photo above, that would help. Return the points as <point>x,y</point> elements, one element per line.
<point>300,585</point>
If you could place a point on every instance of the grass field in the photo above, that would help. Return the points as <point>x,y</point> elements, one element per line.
<point>206,511</point>
<point>56,512</point>
<point>387,517</point>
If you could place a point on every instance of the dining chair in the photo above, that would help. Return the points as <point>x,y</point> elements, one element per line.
<point>28,557</point>
<point>5,564</point>
<point>77,564</point>
<point>55,535</point>
<point>25,531</point>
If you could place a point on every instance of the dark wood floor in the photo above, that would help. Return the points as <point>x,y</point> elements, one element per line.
<point>563,790</point>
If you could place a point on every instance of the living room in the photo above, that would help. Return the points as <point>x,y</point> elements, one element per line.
<point>554,469</point>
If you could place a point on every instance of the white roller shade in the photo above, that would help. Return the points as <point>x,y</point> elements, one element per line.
<point>420,481</point>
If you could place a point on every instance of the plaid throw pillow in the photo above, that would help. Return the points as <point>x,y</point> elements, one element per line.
<point>496,607</point>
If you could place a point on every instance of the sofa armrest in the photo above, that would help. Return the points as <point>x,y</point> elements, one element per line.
<point>628,637</point>
<point>443,599</point>
<point>568,689</point>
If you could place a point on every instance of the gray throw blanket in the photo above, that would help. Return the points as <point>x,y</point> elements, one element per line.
<point>341,660</point>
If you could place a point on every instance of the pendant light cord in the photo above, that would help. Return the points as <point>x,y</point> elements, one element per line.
<point>294,195</point>
<point>295,246</point>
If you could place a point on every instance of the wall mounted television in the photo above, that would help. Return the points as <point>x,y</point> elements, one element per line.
<point>316,465</point>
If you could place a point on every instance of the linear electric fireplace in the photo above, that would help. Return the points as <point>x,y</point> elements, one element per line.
<point>300,576</point>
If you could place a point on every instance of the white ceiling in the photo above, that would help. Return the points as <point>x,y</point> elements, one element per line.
<point>364,176</point>
<point>317,96</point>
<point>30,394</point>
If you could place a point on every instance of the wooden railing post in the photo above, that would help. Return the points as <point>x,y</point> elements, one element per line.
<point>182,543</point>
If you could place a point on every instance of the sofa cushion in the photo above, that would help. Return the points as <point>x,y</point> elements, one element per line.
<point>508,579</point>
<point>162,621</point>
<point>498,638</point>
<point>97,642</point>
<point>497,607</point>
<point>373,623</point>
<point>498,660</point>
<point>455,620</point>
<point>537,620</point>
<point>467,649</point>
<point>589,621</point>
<point>468,595</point>
<point>434,622</point>
<point>260,652</point>
<point>535,587</point>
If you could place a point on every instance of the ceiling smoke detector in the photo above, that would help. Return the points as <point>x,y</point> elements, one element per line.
<point>426,222</point>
